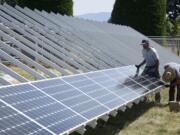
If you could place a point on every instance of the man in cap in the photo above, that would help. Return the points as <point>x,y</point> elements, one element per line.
<point>172,75</point>
<point>151,59</point>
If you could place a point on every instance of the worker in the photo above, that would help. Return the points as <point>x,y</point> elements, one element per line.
<point>172,75</point>
<point>151,59</point>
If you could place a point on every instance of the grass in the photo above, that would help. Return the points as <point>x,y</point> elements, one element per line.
<point>29,76</point>
<point>1,73</point>
<point>146,118</point>
<point>22,73</point>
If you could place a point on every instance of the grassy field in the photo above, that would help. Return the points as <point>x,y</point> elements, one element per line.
<point>22,73</point>
<point>1,74</point>
<point>146,118</point>
<point>29,76</point>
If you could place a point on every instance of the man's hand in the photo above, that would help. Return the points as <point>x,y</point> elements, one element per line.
<point>177,82</point>
<point>167,85</point>
<point>141,64</point>
<point>137,66</point>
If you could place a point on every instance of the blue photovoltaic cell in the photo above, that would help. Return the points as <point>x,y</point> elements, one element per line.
<point>63,103</point>
<point>104,97</point>
<point>90,88</point>
<point>15,89</point>
<point>13,123</point>
<point>113,96</point>
<point>74,98</point>
<point>48,83</point>
<point>40,107</point>
<point>74,78</point>
<point>72,122</point>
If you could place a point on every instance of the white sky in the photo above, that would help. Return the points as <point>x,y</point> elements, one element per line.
<point>92,6</point>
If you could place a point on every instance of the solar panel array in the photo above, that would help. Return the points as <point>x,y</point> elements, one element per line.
<point>62,105</point>
<point>50,45</point>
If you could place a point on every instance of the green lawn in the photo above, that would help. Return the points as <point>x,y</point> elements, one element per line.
<point>146,118</point>
<point>1,73</point>
<point>22,73</point>
<point>29,76</point>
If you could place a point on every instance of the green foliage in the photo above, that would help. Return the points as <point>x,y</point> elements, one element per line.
<point>64,7</point>
<point>173,9</point>
<point>10,2</point>
<point>169,27</point>
<point>173,28</point>
<point>176,29</point>
<point>146,16</point>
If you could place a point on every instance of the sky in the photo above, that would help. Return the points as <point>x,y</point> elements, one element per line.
<point>92,6</point>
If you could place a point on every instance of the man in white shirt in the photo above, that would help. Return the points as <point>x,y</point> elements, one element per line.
<point>151,59</point>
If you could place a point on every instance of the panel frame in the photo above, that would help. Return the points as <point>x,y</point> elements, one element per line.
<point>16,62</point>
<point>39,22</point>
<point>32,52</point>
<point>27,59</point>
<point>4,82</point>
<point>52,44</point>
<point>12,73</point>
<point>19,112</point>
<point>157,89</point>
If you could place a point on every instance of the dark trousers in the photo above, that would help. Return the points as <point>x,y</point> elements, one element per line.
<point>153,72</point>
<point>172,93</point>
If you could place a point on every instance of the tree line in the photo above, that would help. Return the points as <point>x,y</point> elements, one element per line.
<point>64,7</point>
<point>151,17</point>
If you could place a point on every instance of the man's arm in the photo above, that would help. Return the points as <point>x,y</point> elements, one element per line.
<point>157,63</point>
<point>177,82</point>
<point>142,63</point>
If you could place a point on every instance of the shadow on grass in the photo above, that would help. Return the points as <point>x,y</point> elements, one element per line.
<point>122,120</point>
<point>161,105</point>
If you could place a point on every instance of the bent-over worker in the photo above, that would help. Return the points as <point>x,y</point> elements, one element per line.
<point>172,75</point>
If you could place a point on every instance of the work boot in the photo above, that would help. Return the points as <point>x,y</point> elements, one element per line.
<point>174,106</point>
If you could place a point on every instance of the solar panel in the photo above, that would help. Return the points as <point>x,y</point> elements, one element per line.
<point>62,104</point>
<point>13,123</point>
<point>40,107</point>
<point>65,44</point>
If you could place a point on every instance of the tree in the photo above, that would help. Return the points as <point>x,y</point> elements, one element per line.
<point>169,27</point>
<point>61,6</point>
<point>64,7</point>
<point>10,2</point>
<point>146,16</point>
<point>176,29</point>
<point>173,9</point>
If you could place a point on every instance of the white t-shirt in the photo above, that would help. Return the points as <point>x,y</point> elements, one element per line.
<point>151,56</point>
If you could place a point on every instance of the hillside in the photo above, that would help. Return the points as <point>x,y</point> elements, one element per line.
<point>101,17</point>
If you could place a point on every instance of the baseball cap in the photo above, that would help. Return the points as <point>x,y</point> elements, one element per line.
<point>169,75</point>
<point>144,41</point>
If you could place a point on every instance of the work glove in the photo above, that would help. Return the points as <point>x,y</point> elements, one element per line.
<point>167,85</point>
<point>137,66</point>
